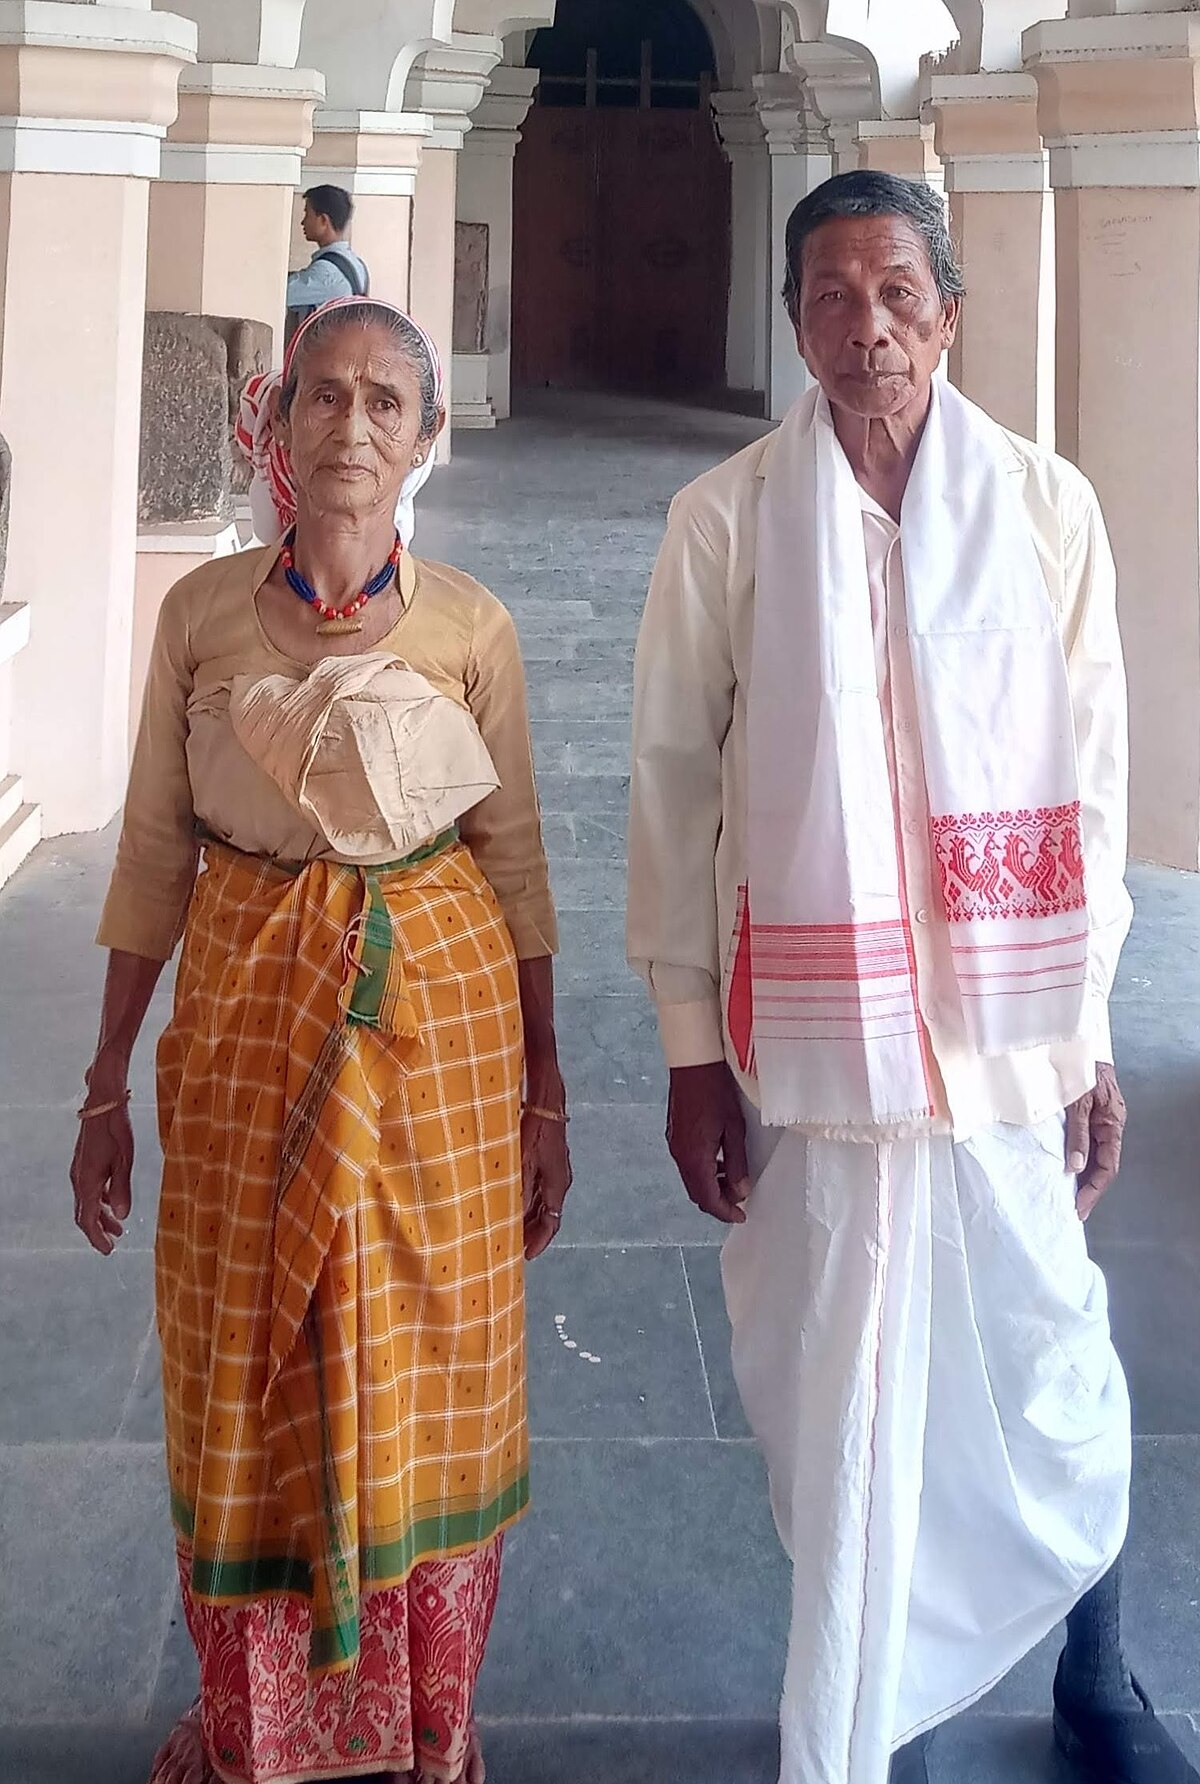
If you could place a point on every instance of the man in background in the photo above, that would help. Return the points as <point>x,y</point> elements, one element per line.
<point>335,270</point>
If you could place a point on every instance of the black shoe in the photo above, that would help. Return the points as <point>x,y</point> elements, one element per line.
<point>909,1764</point>
<point>1119,1746</point>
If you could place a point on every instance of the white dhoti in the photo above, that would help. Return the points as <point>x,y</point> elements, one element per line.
<point>922,1346</point>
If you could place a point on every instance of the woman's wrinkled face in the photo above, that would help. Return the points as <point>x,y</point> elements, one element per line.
<point>354,428</point>
<point>872,325</point>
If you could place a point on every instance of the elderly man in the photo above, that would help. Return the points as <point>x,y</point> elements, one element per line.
<point>877,889</point>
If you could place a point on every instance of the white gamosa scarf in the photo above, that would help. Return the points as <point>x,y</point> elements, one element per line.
<point>822,994</point>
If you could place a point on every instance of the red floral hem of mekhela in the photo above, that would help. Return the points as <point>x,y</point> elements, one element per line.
<point>407,1701</point>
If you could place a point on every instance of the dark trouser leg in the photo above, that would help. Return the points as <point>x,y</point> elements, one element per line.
<point>1093,1672</point>
<point>1103,1719</point>
<point>908,1765</point>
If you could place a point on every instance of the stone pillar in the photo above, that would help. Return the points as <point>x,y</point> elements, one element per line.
<point>446,83</point>
<point>751,298</point>
<point>902,146</point>
<point>1001,216</point>
<point>93,90</point>
<point>1119,113</point>
<point>800,159</point>
<point>485,195</point>
<point>221,217</point>
<point>374,156</point>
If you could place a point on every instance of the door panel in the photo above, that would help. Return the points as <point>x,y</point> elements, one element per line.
<point>621,250</point>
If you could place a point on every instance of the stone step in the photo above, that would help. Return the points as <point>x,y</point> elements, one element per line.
<point>14,628</point>
<point>12,796</point>
<point>20,834</point>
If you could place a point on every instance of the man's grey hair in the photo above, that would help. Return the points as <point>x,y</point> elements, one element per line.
<point>869,194</point>
<point>368,314</point>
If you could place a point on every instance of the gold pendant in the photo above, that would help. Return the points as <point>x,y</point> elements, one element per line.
<point>338,628</point>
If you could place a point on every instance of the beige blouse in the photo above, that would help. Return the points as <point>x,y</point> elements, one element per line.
<point>192,765</point>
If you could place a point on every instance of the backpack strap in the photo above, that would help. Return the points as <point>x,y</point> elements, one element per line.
<point>358,279</point>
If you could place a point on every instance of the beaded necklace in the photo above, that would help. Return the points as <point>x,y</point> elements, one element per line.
<point>336,621</point>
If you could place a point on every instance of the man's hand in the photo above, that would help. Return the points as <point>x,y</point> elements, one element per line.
<point>706,1133</point>
<point>1095,1130</point>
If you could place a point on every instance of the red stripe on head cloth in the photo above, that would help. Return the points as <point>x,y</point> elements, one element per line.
<point>273,490</point>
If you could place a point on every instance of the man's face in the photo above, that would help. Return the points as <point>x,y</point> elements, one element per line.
<point>312,225</point>
<point>872,326</point>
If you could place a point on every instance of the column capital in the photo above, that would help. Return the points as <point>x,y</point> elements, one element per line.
<point>902,146</point>
<point>986,131</point>
<point>85,25</point>
<point>739,122</point>
<point>97,86</point>
<point>839,83</point>
<point>242,125</point>
<point>369,154</point>
<point>448,81</point>
<point>790,124</point>
<point>497,119</point>
<point>1118,99</point>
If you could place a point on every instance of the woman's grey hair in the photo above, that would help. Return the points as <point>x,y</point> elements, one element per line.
<point>371,315</point>
<point>868,194</point>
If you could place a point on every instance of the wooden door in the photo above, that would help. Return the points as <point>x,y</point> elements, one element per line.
<point>621,250</point>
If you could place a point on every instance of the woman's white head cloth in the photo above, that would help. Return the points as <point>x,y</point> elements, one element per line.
<point>273,488</point>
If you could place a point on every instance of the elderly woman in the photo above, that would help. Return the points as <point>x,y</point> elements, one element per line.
<point>360,1104</point>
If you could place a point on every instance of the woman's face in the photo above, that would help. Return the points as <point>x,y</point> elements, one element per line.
<point>354,428</point>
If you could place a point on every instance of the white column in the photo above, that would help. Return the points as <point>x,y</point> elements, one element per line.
<point>221,214</point>
<point>374,156</point>
<point>801,158</point>
<point>445,83</point>
<point>1001,217</point>
<point>1120,115</point>
<point>751,298</point>
<point>485,195</point>
<point>99,84</point>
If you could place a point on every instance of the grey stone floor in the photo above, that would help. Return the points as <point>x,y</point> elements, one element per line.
<point>642,1619</point>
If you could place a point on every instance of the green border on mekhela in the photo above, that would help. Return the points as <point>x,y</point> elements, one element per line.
<point>379,1563</point>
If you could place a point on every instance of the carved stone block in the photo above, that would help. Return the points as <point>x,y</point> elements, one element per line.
<point>470,286</point>
<point>186,469</point>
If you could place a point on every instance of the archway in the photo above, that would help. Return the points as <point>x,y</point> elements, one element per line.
<point>622,205</point>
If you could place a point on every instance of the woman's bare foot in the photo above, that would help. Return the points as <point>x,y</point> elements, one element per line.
<point>181,1759</point>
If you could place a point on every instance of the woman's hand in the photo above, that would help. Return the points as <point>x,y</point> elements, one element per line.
<point>102,1168</point>
<point>545,1160</point>
<point>102,1176</point>
<point>545,1176</point>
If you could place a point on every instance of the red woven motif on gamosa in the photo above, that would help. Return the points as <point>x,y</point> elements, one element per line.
<point>1011,863</point>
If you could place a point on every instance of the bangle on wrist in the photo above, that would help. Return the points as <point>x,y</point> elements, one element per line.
<point>90,1111</point>
<point>559,1115</point>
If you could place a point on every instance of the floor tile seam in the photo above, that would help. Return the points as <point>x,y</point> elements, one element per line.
<point>648,1442</point>
<point>687,1283</point>
<point>586,1719</point>
<point>142,1353</point>
<point>58,1446</point>
<point>73,1251</point>
<point>170,1600</point>
<point>1123,1243</point>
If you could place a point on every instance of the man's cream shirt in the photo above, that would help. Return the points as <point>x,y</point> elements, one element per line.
<point>687,824</point>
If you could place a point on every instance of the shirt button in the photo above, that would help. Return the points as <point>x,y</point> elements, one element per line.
<point>922,916</point>
<point>910,827</point>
